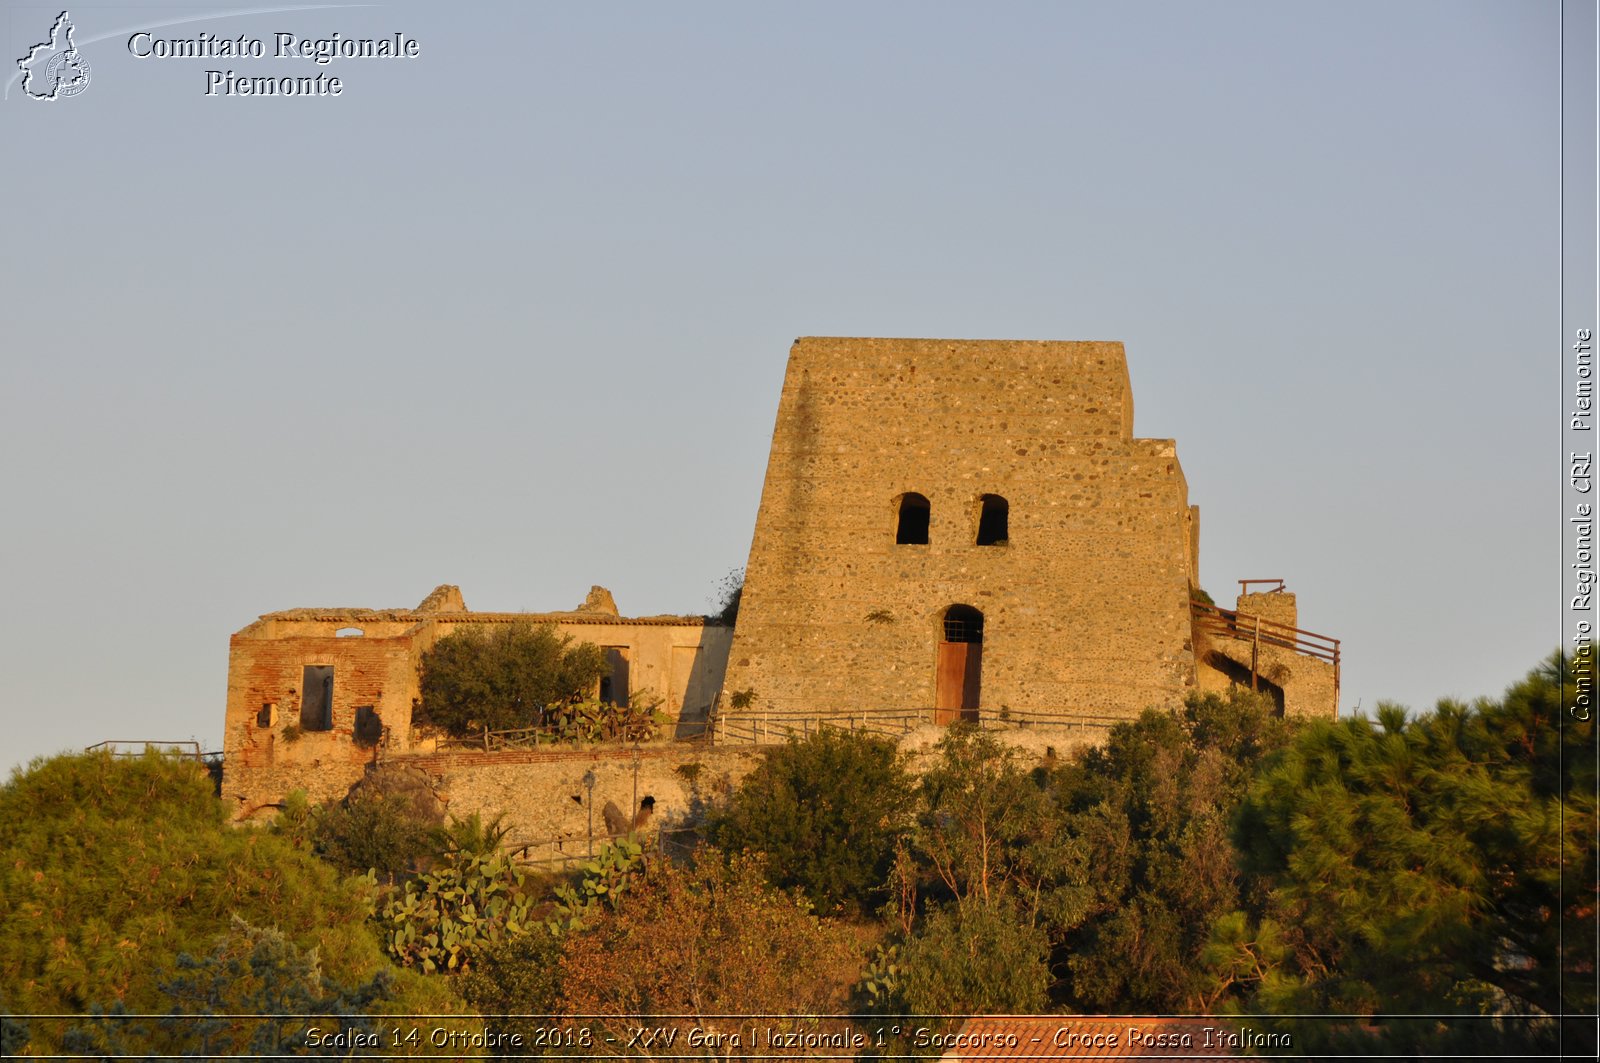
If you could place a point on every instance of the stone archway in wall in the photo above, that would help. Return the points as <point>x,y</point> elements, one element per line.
<point>959,668</point>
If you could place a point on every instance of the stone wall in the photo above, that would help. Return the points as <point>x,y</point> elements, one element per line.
<point>1277,606</point>
<point>1085,604</point>
<point>542,793</point>
<point>374,656</point>
<point>1300,684</point>
<point>269,751</point>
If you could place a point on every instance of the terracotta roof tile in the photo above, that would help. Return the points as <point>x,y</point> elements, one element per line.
<point>408,615</point>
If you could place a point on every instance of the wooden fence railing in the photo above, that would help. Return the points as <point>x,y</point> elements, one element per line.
<point>732,728</point>
<point>1226,623</point>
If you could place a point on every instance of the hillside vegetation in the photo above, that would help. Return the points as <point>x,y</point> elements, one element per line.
<point>1207,858</point>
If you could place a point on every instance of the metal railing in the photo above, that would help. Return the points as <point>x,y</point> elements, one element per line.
<point>1227,623</point>
<point>124,747</point>
<point>730,728</point>
<point>657,837</point>
<point>542,737</point>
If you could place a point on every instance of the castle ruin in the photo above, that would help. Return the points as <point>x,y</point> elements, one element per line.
<point>316,696</point>
<point>948,530</point>
<point>972,527</point>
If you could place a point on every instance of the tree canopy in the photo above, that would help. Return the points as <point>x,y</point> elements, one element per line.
<point>1153,806</point>
<point>112,869</point>
<point>1443,863</point>
<point>826,813</point>
<point>504,676</point>
<point>986,881</point>
<point>703,943</point>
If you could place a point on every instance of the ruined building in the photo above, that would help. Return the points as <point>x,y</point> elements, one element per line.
<point>316,695</point>
<point>948,530</point>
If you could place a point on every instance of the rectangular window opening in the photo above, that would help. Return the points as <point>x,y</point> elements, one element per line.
<point>316,698</point>
<point>369,728</point>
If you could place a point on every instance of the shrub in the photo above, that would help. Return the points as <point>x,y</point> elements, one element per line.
<point>703,944</point>
<point>255,993</point>
<point>591,720</point>
<point>729,591</point>
<point>386,824</point>
<point>112,868</point>
<point>391,823</point>
<point>606,879</point>
<point>978,959</point>
<point>514,982</point>
<point>439,921</point>
<point>504,677</point>
<point>826,813</point>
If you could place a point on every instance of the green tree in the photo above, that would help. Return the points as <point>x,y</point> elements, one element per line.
<point>111,868</point>
<point>988,880</point>
<point>703,943</point>
<point>514,982</point>
<point>826,813</point>
<point>1154,806</point>
<point>982,960</point>
<point>255,993</point>
<point>989,833</point>
<point>1437,864</point>
<point>375,833</point>
<point>504,676</point>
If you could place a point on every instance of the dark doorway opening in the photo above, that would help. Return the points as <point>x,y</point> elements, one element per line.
<point>915,515</point>
<point>994,521</point>
<point>614,687</point>
<point>369,727</point>
<point>316,698</point>
<point>1240,675</point>
<point>959,668</point>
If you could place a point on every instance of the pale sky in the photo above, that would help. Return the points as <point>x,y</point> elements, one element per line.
<point>514,314</point>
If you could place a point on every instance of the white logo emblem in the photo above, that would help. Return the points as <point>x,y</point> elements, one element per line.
<point>55,68</point>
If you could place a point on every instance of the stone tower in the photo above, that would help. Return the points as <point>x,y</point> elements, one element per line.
<point>966,526</point>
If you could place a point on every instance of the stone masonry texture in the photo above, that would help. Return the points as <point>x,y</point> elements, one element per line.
<point>1085,605</point>
<point>373,656</point>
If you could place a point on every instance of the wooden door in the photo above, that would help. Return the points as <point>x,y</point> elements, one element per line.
<point>960,670</point>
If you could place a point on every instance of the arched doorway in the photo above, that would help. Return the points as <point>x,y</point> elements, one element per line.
<point>960,665</point>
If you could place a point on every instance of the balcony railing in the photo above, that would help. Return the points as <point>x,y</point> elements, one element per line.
<point>1258,631</point>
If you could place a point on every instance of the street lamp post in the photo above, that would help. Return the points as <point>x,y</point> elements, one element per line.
<point>588,783</point>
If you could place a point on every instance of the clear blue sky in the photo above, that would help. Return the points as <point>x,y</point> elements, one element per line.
<point>514,314</point>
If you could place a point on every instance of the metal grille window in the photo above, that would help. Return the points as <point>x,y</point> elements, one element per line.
<point>963,624</point>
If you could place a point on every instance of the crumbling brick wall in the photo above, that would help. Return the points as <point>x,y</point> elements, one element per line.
<point>372,671</point>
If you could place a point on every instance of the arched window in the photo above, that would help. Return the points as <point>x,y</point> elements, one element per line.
<point>994,521</point>
<point>912,527</point>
